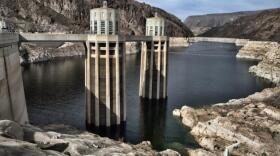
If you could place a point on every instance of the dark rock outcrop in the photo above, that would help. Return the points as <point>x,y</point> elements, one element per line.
<point>261,26</point>
<point>73,16</point>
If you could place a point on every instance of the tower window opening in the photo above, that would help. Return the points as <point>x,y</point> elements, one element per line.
<point>95,27</point>
<point>117,27</point>
<point>102,27</point>
<point>110,27</point>
<point>151,30</point>
<point>156,30</point>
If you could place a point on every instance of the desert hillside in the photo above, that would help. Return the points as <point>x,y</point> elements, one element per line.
<point>73,16</point>
<point>262,26</point>
<point>202,23</point>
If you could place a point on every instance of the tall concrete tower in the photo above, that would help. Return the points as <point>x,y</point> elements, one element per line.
<point>105,70</point>
<point>154,61</point>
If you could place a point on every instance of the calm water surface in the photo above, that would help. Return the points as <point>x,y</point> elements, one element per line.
<point>203,74</point>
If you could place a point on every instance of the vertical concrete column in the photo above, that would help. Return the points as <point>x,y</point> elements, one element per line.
<point>118,86</point>
<point>124,81</point>
<point>141,70</point>
<point>144,81</point>
<point>159,70</point>
<point>96,90</point>
<point>151,70</point>
<point>108,98</point>
<point>88,84</point>
<point>165,65</point>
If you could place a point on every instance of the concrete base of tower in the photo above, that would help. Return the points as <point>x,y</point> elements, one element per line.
<point>105,81</point>
<point>153,70</point>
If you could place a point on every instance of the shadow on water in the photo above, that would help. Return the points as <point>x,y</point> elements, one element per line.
<point>116,132</point>
<point>152,121</point>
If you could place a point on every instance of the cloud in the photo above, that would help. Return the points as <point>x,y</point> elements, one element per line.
<point>184,8</point>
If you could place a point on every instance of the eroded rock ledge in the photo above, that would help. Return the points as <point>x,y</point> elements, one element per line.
<point>269,68</point>
<point>33,53</point>
<point>252,123</point>
<point>28,140</point>
<point>255,50</point>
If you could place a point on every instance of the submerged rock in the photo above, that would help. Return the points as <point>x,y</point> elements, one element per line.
<point>176,112</point>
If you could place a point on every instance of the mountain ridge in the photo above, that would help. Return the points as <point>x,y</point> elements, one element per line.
<point>262,26</point>
<point>200,24</point>
<point>73,16</point>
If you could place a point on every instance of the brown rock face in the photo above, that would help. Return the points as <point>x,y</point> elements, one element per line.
<point>261,26</point>
<point>73,16</point>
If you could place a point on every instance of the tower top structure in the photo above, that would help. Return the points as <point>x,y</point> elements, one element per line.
<point>104,20</point>
<point>155,26</point>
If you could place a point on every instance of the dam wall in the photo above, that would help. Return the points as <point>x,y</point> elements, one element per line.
<point>12,103</point>
<point>178,42</point>
<point>185,42</point>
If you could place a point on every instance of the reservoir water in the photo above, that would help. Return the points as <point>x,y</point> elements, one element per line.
<point>203,74</point>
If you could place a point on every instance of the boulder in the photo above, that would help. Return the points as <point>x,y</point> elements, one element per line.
<point>189,116</point>
<point>11,130</point>
<point>176,112</point>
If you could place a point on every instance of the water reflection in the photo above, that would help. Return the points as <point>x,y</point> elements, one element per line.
<point>152,121</point>
<point>116,132</point>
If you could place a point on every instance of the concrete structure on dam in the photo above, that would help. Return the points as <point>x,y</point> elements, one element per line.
<point>12,99</point>
<point>105,70</point>
<point>154,61</point>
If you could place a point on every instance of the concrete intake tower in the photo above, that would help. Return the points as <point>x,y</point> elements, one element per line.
<point>154,61</point>
<point>105,70</point>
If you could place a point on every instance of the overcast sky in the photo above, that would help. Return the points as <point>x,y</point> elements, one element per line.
<point>184,8</point>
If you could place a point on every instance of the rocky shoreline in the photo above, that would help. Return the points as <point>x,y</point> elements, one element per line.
<point>33,53</point>
<point>248,126</point>
<point>61,140</point>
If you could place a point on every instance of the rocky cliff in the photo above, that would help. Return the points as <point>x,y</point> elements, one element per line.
<point>269,67</point>
<point>202,23</point>
<point>255,50</point>
<point>73,16</point>
<point>261,26</point>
